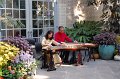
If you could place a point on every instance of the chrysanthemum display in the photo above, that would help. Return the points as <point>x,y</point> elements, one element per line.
<point>7,52</point>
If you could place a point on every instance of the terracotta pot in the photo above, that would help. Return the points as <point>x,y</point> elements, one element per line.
<point>96,56</point>
<point>1,77</point>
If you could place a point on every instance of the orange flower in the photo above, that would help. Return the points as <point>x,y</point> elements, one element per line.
<point>9,68</point>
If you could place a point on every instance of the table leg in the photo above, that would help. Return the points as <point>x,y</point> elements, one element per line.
<point>79,60</point>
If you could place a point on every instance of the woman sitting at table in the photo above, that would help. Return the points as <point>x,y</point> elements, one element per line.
<point>47,42</point>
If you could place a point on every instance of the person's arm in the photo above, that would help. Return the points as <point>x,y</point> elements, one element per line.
<point>55,43</point>
<point>67,38</point>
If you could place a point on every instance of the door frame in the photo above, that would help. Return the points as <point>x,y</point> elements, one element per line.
<point>29,23</point>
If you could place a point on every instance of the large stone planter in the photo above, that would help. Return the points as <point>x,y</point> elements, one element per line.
<point>106,51</point>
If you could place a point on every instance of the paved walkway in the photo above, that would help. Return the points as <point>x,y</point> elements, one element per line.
<point>100,69</point>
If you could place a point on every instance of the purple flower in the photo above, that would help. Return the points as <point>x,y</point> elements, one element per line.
<point>19,42</point>
<point>105,38</point>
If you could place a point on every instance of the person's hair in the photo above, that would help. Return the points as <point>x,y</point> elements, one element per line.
<point>60,27</point>
<point>49,32</point>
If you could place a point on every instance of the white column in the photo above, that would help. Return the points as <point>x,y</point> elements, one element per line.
<point>55,15</point>
<point>27,4</point>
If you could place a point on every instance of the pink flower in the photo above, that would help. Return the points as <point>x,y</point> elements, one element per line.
<point>12,72</point>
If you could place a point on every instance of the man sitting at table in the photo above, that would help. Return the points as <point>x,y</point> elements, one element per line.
<point>61,37</point>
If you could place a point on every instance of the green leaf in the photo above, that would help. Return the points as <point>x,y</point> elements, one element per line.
<point>0,72</point>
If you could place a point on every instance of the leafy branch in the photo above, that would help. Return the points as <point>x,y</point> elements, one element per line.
<point>111,13</point>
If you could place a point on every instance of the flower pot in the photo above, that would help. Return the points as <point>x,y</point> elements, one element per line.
<point>1,77</point>
<point>106,51</point>
<point>96,56</point>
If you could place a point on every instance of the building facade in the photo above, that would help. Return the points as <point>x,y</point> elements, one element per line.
<point>39,16</point>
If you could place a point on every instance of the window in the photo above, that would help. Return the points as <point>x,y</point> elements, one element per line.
<point>14,9</point>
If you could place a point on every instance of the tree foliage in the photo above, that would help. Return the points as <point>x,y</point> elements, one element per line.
<point>111,13</point>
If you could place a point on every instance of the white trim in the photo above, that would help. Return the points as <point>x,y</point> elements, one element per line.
<point>27,17</point>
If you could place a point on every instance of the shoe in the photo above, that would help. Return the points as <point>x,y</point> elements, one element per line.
<point>51,69</point>
<point>65,62</point>
<point>44,66</point>
<point>76,64</point>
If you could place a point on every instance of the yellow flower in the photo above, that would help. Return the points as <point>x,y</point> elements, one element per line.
<point>7,52</point>
<point>6,56</point>
<point>1,58</point>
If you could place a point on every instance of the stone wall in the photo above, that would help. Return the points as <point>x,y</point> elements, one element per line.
<point>71,10</point>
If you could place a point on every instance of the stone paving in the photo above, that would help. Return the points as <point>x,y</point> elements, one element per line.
<point>99,69</point>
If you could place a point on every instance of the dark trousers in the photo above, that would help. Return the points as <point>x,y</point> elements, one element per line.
<point>48,59</point>
<point>64,56</point>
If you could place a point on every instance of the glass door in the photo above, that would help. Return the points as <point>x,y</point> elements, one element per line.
<point>15,9</point>
<point>42,19</point>
<point>36,15</point>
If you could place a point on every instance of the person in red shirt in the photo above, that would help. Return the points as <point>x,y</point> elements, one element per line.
<point>61,37</point>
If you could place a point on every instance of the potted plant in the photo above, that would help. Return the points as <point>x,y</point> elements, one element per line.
<point>84,30</point>
<point>117,53</point>
<point>106,42</point>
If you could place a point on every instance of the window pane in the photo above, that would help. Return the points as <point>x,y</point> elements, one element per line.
<point>51,22</point>
<point>51,15</point>
<point>15,3</point>
<point>45,5</point>
<point>2,12</point>
<point>35,23</point>
<point>51,5</point>
<point>22,4</point>
<point>9,32</point>
<point>8,4</point>
<point>10,27</point>
<point>40,9</point>
<point>22,14</point>
<point>3,33</point>
<point>34,14</point>
<point>9,12</point>
<point>16,25</point>
<point>40,22</point>
<point>40,14</point>
<point>40,5</point>
<point>23,32</point>
<point>40,26</point>
<point>46,14</point>
<point>35,33</point>
<point>46,23</point>
<point>40,32</point>
<point>2,25</point>
<point>23,22</point>
<point>34,4</point>
<point>16,13</point>
<point>2,4</point>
